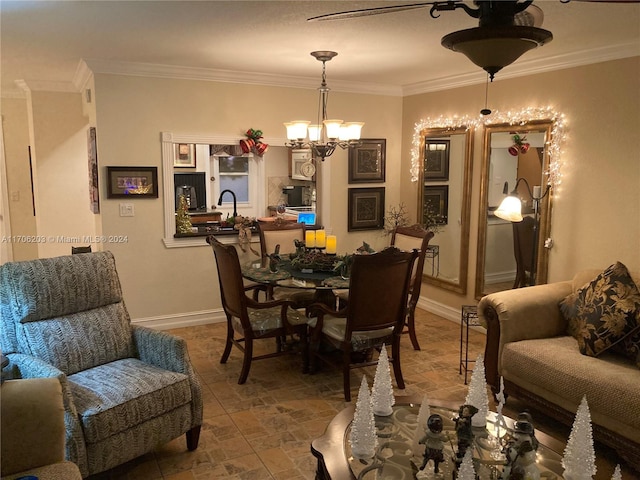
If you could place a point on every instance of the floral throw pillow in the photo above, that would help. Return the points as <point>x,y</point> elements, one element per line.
<point>604,312</point>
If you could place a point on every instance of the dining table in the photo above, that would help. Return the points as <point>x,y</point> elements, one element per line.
<point>287,275</point>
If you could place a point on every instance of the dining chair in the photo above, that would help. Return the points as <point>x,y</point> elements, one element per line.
<point>283,233</point>
<point>523,246</point>
<point>374,315</point>
<point>250,319</point>
<point>409,238</point>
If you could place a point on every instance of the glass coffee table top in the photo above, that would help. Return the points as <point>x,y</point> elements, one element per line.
<point>395,459</point>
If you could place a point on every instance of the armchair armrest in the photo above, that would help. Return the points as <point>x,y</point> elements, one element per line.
<point>33,431</point>
<point>519,314</point>
<point>169,352</point>
<point>26,366</point>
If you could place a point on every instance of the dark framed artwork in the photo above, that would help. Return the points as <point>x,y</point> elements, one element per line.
<point>367,161</point>
<point>436,204</point>
<point>366,208</point>
<point>185,155</point>
<point>92,154</point>
<point>436,160</point>
<point>131,182</point>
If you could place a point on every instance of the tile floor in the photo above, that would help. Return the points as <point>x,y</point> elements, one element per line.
<point>262,430</point>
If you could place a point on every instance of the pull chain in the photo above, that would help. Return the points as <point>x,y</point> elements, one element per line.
<point>485,110</point>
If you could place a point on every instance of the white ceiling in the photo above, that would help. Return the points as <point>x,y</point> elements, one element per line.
<point>43,43</point>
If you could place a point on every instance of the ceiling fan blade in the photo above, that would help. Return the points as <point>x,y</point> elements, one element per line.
<point>363,12</point>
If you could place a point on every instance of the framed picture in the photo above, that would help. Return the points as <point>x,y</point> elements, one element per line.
<point>367,161</point>
<point>436,160</point>
<point>92,153</point>
<point>130,182</point>
<point>366,208</point>
<point>184,155</point>
<point>436,204</point>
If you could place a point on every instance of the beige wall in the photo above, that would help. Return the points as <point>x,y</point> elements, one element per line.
<point>596,213</point>
<point>132,111</point>
<point>596,218</point>
<point>16,141</point>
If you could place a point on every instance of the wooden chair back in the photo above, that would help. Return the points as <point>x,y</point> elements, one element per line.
<point>281,233</point>
<point>378,289</point>
<point>409,238</point>
<point>232,291</point>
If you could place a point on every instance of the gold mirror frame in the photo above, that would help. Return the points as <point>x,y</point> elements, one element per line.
<point>546,126</point>
<point>466,163</point>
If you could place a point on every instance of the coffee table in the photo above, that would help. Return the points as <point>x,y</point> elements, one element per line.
<point>394,460</point>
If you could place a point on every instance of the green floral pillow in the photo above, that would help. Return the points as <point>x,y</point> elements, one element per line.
<point>604,312</point>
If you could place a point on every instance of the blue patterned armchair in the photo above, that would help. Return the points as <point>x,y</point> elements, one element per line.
<point>127,389</point>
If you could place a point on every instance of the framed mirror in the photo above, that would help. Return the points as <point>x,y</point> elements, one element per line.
<point>515,162</point>
<point>444,200</point>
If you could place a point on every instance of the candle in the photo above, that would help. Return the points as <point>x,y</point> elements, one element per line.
<point>321,237</point>
<point>332,244</point>
<point>310,239</point>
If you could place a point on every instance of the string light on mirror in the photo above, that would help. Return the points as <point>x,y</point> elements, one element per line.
<point>511,117</point>
<point>326,134</point>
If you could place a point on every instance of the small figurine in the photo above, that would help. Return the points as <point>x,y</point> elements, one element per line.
<point>434,442</point>
<point>464,431</point>
<point>520,452</point>
<point>274,259</point>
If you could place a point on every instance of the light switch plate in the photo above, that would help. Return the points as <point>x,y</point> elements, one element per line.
<point>127,210</point>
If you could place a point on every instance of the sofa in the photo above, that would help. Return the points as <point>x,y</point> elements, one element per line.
<point>127,389</point>
<point>33,436</point>
<point>533,344</point>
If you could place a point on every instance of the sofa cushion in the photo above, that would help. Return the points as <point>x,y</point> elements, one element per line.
<point>604,311</point>
<point>114,397</point>
<point>554,369</point>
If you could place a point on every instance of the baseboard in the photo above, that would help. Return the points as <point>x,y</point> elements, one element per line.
<point>204,317</point>
<point>180,320</point>
<point>445,311</point>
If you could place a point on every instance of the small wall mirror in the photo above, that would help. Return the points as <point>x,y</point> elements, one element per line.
<point>513,254</point>
<point>444,204</point>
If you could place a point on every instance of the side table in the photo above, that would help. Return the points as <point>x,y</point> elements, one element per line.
<point>469,319</point>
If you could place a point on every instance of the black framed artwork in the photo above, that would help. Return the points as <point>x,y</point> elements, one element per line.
<point>367,161</point>
<point>132,182</point>
<point>436,160</point>
<point>366,208</point>
<point>436,204</point>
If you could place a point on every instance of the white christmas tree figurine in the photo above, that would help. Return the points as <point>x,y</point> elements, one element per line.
<point>477,394</point>
<point>617,474</point>
<point>421,428</point>
<point>382,392</point>
<point>501,424</point>
<point>363,439</point>
<point>466,470</point>
<point>579,461</point>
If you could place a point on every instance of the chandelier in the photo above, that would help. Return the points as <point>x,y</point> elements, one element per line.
<point>326,134</point>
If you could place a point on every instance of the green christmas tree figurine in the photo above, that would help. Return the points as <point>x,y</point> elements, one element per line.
<point>183,221</point>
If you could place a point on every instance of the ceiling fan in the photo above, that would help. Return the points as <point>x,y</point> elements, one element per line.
<point>507,28</point>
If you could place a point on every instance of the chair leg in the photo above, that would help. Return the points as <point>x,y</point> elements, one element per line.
<point>246,362</point>
<point>304,340</point>
<point>193,436</point>
<point>411,324</point>
<point>397,371</point>
<point>346,374</point>
<point>229,344</point>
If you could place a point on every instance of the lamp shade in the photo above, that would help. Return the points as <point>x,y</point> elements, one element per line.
<point>315,132</point>
<point>333,128</point>
<point>493,48</point>
<point>510,209</point>
<point>297,130</point>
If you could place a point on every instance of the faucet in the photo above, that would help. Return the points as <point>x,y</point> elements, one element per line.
<point>235,205</point>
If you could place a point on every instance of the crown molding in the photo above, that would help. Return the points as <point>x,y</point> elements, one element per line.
<point>229,76</point>
<point>531,67</point>
<point>87,67</point>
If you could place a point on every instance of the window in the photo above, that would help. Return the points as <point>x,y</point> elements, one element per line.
<point>242,175</point>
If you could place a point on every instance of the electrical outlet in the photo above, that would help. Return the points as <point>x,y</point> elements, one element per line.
<point>15,195</point>
<point>127,210</point>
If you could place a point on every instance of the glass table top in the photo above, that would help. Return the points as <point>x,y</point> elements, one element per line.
<point>396,457</point>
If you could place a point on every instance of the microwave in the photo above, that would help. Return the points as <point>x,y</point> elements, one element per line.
<point>298,158</point>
